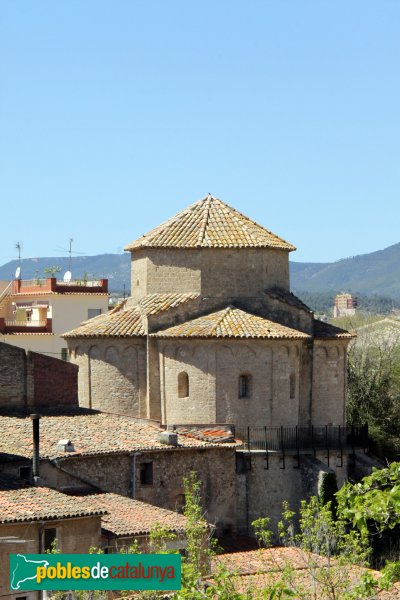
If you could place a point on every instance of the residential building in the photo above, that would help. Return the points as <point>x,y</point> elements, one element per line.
<point>34,313</point>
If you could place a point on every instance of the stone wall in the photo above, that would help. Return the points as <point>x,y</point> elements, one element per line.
<point>329,382</point>
<point>214,368</point>
<point>215,468</point>
<point>112,374</point>
<point>213,272</point>
<point>261,490</point>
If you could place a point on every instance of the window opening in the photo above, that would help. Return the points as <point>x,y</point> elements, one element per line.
<point>183,385</point>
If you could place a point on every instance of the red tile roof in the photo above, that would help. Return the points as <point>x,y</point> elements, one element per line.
<point>127,517</point>
<point>99,433</point>
<point>231,322</point>
<point>210,223</point>
<point>42,504</point>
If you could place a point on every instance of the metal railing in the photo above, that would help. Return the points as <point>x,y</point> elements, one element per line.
<point>80,282</point>
<point>24,283</point>
<point>310,437</point>
<point>32,323</point>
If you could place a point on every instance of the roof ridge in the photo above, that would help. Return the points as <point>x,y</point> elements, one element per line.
<point>224,313</point>
<point>206,217</point>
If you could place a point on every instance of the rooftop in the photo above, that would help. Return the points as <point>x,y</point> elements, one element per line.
<point>42,504</point>
<point>210,223</point>
<point>126,516</point>
<point>98,433</point>
<point>330,332</point>
<point>125,320</point>
<point>231,322</point>
<point>119,322</point>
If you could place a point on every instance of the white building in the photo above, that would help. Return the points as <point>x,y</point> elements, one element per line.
<point>34,313</point>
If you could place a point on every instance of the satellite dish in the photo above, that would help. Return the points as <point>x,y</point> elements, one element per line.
<point>67,276</point>
<point>18,273</point>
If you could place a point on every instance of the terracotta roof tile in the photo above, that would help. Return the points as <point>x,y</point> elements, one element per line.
<point>231,322</point>
<point>126,516</point>
<point>156,303</point>
<point>99,433</point>
<point>210,223</point>
<point>330,332</point>
<point>120,322</point>
<point>41,503</point>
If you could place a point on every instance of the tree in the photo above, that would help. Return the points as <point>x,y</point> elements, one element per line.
<point>373,394</point>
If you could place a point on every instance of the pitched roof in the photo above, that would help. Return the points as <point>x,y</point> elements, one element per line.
<point>210,223</point>
<point>40,504</point>
<point>98,433</point>
<point>125,320</point>
<point>231,322</point>
<point>288,298</point>
<point>126,516</point>
<point>330,332</point>
<point>120,322</point>
<point>156,303</point>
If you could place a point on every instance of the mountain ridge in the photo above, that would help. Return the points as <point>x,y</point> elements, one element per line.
<point>374,273</point>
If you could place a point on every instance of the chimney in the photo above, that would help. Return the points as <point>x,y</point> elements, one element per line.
<point>35,459</point>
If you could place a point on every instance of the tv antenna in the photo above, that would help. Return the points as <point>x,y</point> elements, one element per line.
<point>70,252</point>
<point>18,247</point>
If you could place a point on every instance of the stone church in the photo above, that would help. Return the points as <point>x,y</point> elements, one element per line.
<point>211,332</point>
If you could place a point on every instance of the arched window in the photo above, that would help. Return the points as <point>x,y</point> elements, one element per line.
<point>244,386</point>
<point>183,385</point>
<point>292,386</point>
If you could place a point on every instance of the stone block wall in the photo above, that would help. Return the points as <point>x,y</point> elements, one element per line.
<point>215,468</point>
<point>221,272</point>
<point>329,382</point>
<point>112,374</point>
<point>214,368</point>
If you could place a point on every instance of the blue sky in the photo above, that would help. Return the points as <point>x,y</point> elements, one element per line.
<point>114,115</point>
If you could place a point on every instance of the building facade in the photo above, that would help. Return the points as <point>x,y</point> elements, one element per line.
<point>34,313</point>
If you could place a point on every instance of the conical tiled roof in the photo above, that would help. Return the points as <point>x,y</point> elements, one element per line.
<point>210,223</point>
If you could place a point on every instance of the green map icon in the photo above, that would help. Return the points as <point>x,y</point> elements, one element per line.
<point>24,569</point>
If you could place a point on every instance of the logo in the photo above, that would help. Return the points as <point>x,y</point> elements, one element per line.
<point>95,572</point>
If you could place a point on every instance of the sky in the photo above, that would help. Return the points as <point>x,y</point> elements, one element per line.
<point>115,115</point>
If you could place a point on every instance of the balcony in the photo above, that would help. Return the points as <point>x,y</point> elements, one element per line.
<point>31,326</point>
<point>302,438</point>
<point>52,284</point>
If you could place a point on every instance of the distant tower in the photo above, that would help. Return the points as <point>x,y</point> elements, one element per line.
<point>345,305</point>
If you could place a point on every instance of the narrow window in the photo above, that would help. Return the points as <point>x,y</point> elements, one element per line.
<point>183,385</point>
<point>146,473</point>
<point>93,312</point>
<point>244,386</point>
<point>50,540</point>
<point>64,353</point>
<point>292,386</point>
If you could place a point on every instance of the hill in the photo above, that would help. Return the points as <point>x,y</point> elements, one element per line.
<point>114,267</point>
<point>374,274</point>
<point>377,273</point>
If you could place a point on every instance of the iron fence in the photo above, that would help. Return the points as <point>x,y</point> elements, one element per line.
<point>311,437</point>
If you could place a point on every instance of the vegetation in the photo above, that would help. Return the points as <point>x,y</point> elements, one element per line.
<point>330,557</point>
<point>373,393</point>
